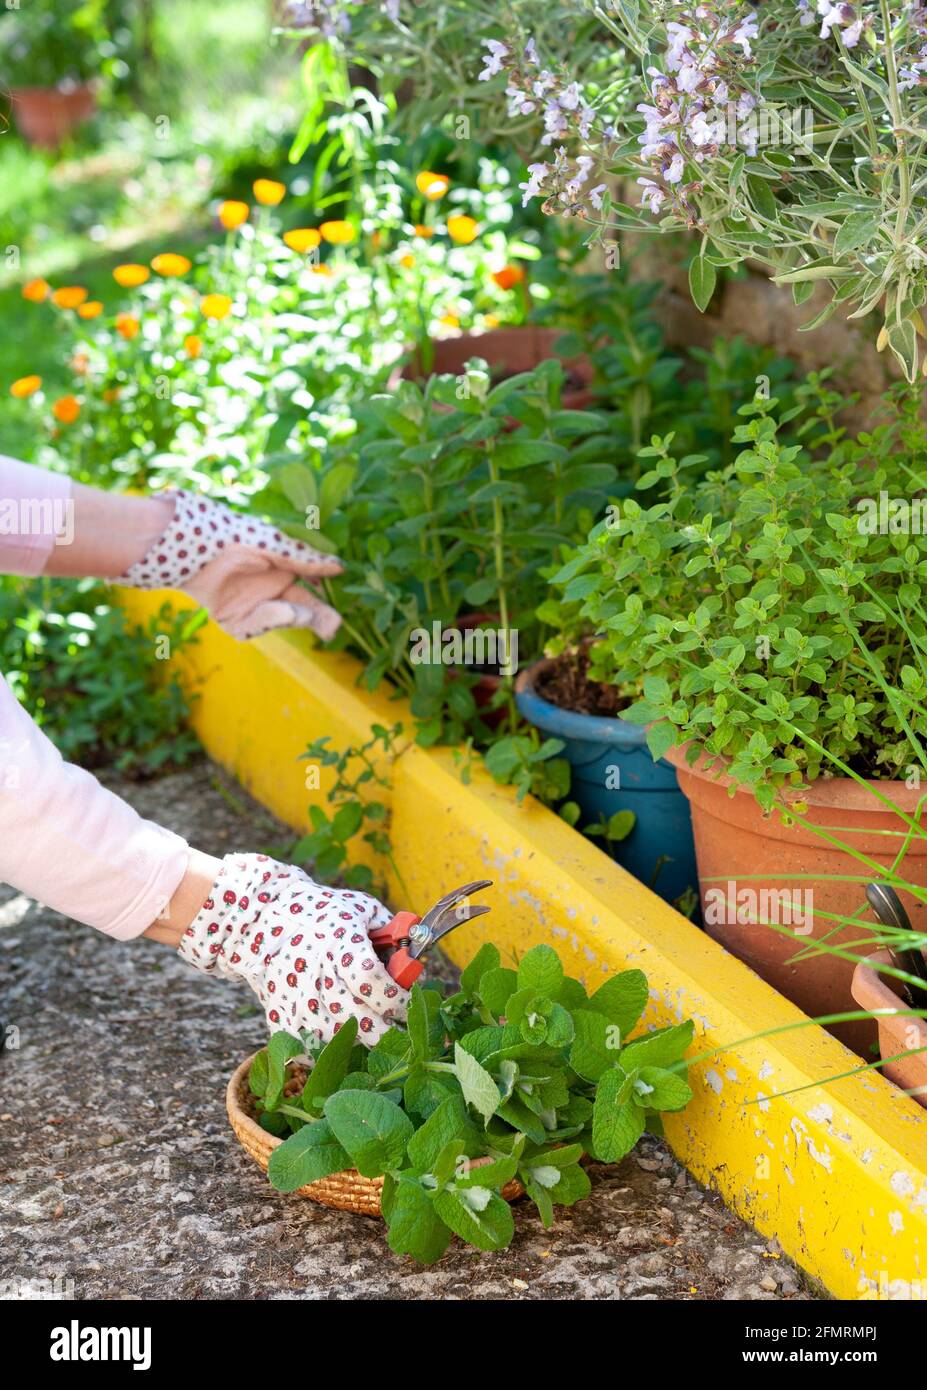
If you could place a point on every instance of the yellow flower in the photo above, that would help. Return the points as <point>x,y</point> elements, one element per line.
<point>408,261</point>
<point>169,264</point>
<point>432,186</point>
<point>268,192</point>
<point>302,239</point>
<point>451,320</point>
<point>233,213</point>
<point>91,310</point>
<point>69,297</point>
<point>462,229</point>
<point>193,345</point>
<point>130,276</point>
<point>127,325</point>
<point>25,386</point>
<point>423,231</point>
<point>216,306</point>
<point>322,270</point>
<point>337,233</point>
<point>491,321</point>
<point>36,290</point>
<point>66,409</point>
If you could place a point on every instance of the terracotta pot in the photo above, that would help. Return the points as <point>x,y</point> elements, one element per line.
<point>737,848</point>
<point>896,1035</point>
<point>47,115</point>
<point>509,351</point>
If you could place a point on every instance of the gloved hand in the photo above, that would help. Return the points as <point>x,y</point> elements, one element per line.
<point>242,571</point>
<point>303,949</point>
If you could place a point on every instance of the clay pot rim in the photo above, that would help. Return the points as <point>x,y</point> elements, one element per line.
<point>841,793</point>
<point>872,992</point>
<point>570,723</point>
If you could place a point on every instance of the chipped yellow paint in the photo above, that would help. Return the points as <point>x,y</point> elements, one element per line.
<point>837,1172</point>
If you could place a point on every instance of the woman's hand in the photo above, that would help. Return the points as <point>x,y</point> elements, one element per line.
<point>303,949</point>
<point>243,571</point>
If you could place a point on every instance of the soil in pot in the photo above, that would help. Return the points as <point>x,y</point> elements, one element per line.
<point>565,682</point>
<point>754,871</point>
<point>613,771</point>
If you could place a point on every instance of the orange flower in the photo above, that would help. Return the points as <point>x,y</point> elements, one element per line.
<point>462,229</point>
<point>131,276</point>
<point>36,290</point>
<point>25,386</point>
<point>451,320</point>
<point>423,231</point>
<point>193,345</point>
<point>112,393</point>
<point>70,297</point>
<point>66,409</point>
<point>337,233</point>
<point>408,261</point>
<point>80,363</point>
<point>322,270</point>
<point>432,186</point>
<point>376,240</point>
<point>216,306</point>
<point>268,192</point>
<point>302,239</point>
<point>232,214</point>
<point>169,263</point>
<point>509,276</point>
<point>127,325</point>
<point>91,310</point>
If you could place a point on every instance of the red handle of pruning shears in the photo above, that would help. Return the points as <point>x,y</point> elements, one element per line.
<point>391,944</point>
<point>406,937</point>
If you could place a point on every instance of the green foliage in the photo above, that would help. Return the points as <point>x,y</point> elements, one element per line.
<point>92,680</point>
<point>516,1076</point>
<point>769,615</point>
<point>356,807</point>
<point>50,45</point>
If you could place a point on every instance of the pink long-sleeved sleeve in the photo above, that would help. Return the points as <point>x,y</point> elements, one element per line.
<point>65,839</point>
<point>35,511</point>
<point>68,842</point>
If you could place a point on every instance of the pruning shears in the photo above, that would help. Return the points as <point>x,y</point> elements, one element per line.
<point>406,937</point>
<point>890,911</point>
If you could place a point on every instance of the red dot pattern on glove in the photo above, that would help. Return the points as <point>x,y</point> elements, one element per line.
<point>303,948</point>
<point>199,531</point>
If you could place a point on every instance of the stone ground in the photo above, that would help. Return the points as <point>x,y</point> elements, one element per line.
<point>120,1176</point>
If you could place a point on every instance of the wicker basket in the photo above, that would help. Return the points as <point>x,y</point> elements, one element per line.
<point>348,1191</point>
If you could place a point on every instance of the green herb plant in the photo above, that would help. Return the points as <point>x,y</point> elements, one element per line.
<point>516,1077</point>
<point>765,615</point>
<point>92,680</point>
<point>356,807</point>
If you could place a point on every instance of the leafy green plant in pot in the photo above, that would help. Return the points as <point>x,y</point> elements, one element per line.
<point>776,631</point>
<point>515,1078</point>
<point>444,511</point>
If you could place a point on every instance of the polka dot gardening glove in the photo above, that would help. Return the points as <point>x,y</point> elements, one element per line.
<point>303,949</point>
<point>243,571</point>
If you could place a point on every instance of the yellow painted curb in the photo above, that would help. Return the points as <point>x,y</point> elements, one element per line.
<point>837,1172</point>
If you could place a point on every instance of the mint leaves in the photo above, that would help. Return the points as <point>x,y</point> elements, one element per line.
<point>519,1075</point>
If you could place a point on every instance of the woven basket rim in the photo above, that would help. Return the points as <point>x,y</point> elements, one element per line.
<point>237,1111</point>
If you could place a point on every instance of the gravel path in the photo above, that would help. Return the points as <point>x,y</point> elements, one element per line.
<point>120,1176</point>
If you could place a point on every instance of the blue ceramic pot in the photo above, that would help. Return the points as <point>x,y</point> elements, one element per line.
<point>614,771</point>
